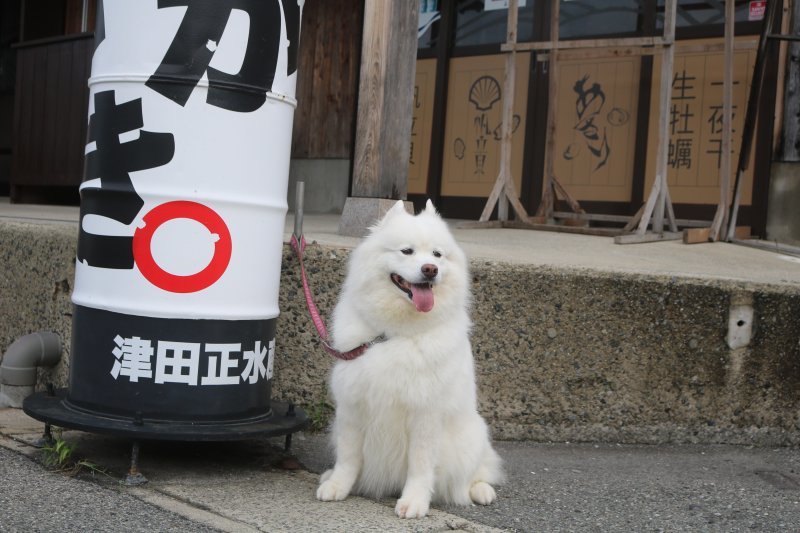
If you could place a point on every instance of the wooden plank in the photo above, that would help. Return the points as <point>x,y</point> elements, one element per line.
<point>636,238</point>
<point>742,232</point>
<point>492,200</point>
<point>509,76</point>
<point>327,80</point>
<point>658,195</point>
<point>635,220</point>
<point>480,224</point>
<point>719,225</point>
<point>751,113</point>
<point>548,196</point>
<point>554,44</point>
<point>504,190</point>
<point>590,216</point>
<point>630,51</point>
<point>696,235</point>
<point>597,232</point>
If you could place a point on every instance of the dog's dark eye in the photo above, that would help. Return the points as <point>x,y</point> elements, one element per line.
<point>437,254</point>
<point>407,251</point>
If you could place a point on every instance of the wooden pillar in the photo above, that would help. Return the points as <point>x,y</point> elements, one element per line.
<point>719,226</point>
<point>383,122</point>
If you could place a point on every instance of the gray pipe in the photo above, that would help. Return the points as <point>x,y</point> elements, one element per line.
<point>19,364</point>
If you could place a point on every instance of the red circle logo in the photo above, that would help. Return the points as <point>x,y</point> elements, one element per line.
<point>143,255</point>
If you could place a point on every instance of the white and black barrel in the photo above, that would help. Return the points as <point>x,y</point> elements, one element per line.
<point>182,210</point>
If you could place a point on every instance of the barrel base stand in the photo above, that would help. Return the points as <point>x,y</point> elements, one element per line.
<point>52,408</point>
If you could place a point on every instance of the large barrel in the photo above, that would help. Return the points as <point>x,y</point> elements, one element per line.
<point>182,209</point>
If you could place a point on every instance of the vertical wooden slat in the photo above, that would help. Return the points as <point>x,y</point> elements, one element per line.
<point>50,111</point>
<point>50,115</point>
<point>327,79</point>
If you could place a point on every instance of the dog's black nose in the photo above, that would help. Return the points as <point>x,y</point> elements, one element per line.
<point>429,270</point>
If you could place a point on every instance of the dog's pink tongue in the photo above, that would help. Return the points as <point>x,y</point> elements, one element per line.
<point>422,298</point>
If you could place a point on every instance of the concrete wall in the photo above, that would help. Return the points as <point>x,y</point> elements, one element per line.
<point>783,214</point>
<point>560,354</point>
<point>327,183</point>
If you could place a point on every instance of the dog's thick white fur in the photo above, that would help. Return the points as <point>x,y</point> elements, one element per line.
<point>406,420</point>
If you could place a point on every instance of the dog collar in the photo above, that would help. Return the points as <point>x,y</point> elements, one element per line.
<point>355,352</point>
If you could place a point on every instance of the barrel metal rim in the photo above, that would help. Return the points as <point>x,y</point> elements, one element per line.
<point>185,80</point>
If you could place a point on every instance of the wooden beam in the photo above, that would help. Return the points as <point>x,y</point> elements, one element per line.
<point>597,232</point>
<point>555,44</point>
<point>548,195</point>
<point>658,194</point>
<point>504,190</point>
<point>632,51</point>
<point>751,113</point>
<point>636,238</point>
<point>684,222</point>
<point>385,94</point>
<point>719,225</point>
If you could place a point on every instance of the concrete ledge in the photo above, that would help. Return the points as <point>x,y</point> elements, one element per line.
<point>561,353</point>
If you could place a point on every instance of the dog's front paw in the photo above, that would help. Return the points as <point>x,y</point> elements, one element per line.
<point>329,491</point>
<point>482,493</point>
<point>412,507</point>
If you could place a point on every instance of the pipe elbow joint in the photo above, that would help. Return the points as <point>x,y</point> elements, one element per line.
<point>26,354</point>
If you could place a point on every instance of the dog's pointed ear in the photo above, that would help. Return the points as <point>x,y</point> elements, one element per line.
<point>396,209</point>
<point>430,209</point>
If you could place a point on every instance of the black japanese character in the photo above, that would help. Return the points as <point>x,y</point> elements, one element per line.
<point>680,153</point>
<point>587,106</point>
<point>112,161</point>
<point>201,29</point>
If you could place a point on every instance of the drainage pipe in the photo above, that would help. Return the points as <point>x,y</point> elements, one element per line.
<point>19,364</point>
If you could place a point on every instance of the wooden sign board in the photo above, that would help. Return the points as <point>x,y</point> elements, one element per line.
<point>471,159</point>
<point>696,123</point>
<point>421,126</point>
<point>596,127</point>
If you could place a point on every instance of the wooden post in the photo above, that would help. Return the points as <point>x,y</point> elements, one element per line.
<point>383,122</point>
<point>751,114</point>
<point>659,194</point>
<point>504,190</point>
<point>720,223</point>
<point>548,195</point>
<point>509,79</point>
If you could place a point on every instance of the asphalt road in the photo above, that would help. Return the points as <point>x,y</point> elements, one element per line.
<point>33,499</point>
<point>607,487</point>
<point>550,488</point>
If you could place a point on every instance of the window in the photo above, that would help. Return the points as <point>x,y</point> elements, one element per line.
<point>587,18</point>
<point>481,22</point>
<point>693,13</point>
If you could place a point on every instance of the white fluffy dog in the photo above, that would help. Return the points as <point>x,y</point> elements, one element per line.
<point>406,411</point>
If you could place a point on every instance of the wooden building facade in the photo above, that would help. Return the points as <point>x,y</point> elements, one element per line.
<point>606,127</point>
<point>607,108</point>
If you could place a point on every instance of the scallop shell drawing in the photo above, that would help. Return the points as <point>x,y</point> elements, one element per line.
<point>484,93</point>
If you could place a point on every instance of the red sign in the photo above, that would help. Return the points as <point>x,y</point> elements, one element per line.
<point>757,10</point>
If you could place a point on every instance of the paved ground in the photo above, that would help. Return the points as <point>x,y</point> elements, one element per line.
<point>254,486</point>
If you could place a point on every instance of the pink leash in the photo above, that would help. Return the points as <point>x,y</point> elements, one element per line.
<point>299,246</point>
